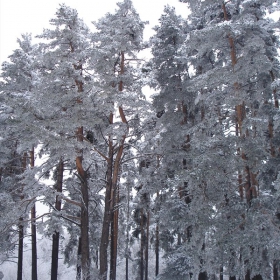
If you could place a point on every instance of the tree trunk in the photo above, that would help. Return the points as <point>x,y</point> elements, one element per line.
<point>248,276</point>
<point>240,115</point>
<point>55,237</point>
<point>157,249</point>
<point>33,228</point>
<point>21,228</point>
<point>97,260</point>
<point>107,214</point>
<point>106,226</point>
<point>114,233</point>
<point>34,243</point>
<point>111,216</point>
<point>79,267</point>
<point>85,260</point>
<point>273,154</point>
<point>127,232</point>
<point>115,191</point>
<point>147,245</point>
<point>221,273</point>
<point>142,245</point>
<point>20,249</point>
<point>275,271</point>
<point>231,263</point>
<point>126,268</point>
<point>202,275</point>
<point>55,250</point>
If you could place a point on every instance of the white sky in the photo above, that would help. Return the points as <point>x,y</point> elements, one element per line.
<point>31,16</point>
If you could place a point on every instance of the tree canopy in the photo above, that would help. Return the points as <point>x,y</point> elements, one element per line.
<point>185,186</point>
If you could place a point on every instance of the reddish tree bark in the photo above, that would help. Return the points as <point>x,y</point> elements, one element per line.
<point>111,196</point>
<point>55,237</point>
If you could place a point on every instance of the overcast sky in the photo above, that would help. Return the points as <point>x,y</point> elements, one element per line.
<point>31,16</point>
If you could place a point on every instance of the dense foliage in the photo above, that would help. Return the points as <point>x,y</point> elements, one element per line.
<point>187,184</point>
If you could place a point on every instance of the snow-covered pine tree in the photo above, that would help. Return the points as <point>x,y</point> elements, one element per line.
<point>175,108</point>
<point>17,87</point>
<point>118,40</point>
<point>228,149</point>
<point>64,105</point>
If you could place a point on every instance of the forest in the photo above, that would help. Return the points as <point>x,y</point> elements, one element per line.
<point>180,184</point>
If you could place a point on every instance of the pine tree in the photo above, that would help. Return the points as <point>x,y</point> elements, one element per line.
<point>64,88</point>
<point>17,87</point>
<point>118,40</point>
<point>232,83</point>
<point>174,106</point>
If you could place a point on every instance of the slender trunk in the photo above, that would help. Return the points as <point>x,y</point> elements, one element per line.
<point>79,262</point>
<point>157,249</point>
<point>33,228</point>
<point>97,261</point>
<point>55,250</point>
<point>142,245</point>
<point>21,227</point>
<point>20,249</point>
<point>85,260</point>
<point>55,237</point>
<point>275,271</point>
<point>114,233</point>
<point>179,240</point>
<point>107,214</point>
<point>34,243</point>
<point>126,268</point>
<point>247,275</point>
<point>157,233</point>
<point>111,216</point>
<point>147,245</point>
<point>202,275</point>
<point>221,273</point>
<point>273,154</point>
<point>115,191</point>
<point>181,195</point>
<point>231,264</point>
<point>127,232</point>
<point>106,220</point>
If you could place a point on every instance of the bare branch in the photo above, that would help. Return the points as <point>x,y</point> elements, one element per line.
<point>101,154</point>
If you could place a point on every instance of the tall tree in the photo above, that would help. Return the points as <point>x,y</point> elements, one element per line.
<point>118,40</point>
<point>65,87</point>
<point>175,106</point>
<point>17,86</point>
<point>235,84</point>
